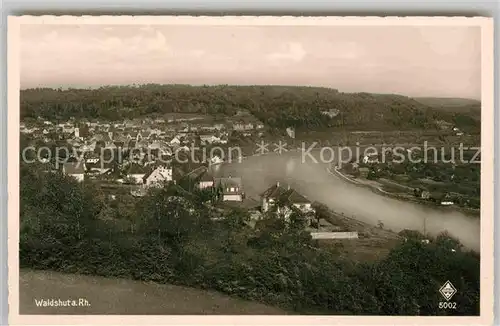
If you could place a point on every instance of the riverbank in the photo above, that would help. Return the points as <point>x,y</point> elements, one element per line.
<point>376,188</point>
<point>126,297</point>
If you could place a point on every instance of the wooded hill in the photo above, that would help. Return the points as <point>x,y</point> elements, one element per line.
<point>458,105</point>
<point>277,106</point>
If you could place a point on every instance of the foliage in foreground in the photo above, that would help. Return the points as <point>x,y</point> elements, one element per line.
<point>66,227</point>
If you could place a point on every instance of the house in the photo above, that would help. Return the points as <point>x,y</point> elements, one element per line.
<point>215,160</point>
<point>75,170</point>
<point>136,173</point>
<point>182,149</point>
<point>88,147</point>
<point>208,139</point>
<point>232,188</point>
<point>99,167</point>
<point>120,137</point>
<point>175,141</point>
<point>110,145</point>
<point>444,125</point>
<point>363,172</point>
<point>332,113</point>
<point>91,157</point>
<point>135,135</point>
<point>370,158</point>
<point>208,128</point>
<point>158,176</point>
<point>289,196</point>
<point>206,181</point>
<point>240,126</point>
<point>425,195</point>
<point>202,176</point>
<point>68,129</point>
<point>158,148</point>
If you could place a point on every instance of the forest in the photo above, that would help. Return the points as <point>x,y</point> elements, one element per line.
<point>277,106</point>
<point>168,236</point>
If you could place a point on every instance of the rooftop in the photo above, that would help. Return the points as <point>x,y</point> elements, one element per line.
<point>74,168</point>
<point>277,191</point>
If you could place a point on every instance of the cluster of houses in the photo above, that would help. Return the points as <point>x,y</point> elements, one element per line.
<point>146,144</point>
<point>232,190</point>
<point>151,133</point>
<point>153,176</point>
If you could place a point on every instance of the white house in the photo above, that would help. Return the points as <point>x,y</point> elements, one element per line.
<point>99,167</point>
<point>158,176</point>
<point>209,139</point>
<point>91,157</point>
<point>216,160</point>
<point>175,141</point>
<point>92,160</point>
<point>206,181</point>
<point>276,192</point>
<point>75,170</point>
<point>232,188</point>
<point>68,129</point>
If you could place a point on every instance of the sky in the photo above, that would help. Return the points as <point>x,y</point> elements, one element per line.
<point>438,61</point>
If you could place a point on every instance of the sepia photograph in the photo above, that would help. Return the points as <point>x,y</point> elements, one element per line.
<point>198,166</point>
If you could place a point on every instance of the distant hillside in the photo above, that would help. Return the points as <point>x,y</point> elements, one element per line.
<point>451,104</point>
<point>277,106</point>
<point>447,101</point>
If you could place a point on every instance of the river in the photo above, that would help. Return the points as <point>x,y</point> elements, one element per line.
<point>314,181</point>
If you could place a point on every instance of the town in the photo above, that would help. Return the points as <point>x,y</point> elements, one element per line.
<point>177,169</point>
<point>132,156</point>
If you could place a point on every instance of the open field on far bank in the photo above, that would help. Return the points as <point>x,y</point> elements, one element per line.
<point>121,296</point>
<point>384,188</point>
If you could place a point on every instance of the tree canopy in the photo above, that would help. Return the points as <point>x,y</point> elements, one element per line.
<point>277,106</point>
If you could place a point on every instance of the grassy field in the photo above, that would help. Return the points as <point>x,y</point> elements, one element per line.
<point>120,296</point>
